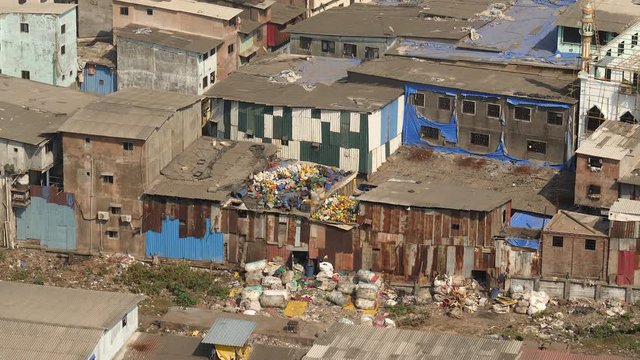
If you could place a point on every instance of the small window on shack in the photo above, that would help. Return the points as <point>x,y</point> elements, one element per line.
<point>571,35</point>
<point>48,147</point>
<point>115,209</point>
<point>634,39</point>
<point>428,132</point>
<point>595,162</point>
<point>537,147</point>
<point>480,139</point>
<point>124,320</point>
<point>522,113</point>
<point>371,53</point>
<point>24,27</point>
<point>349,50</point>
<point>589,244</point>
<point>149,11</point>
<point>418,99</point>
<point>455,226</point>
<point>316,113</point>
<point>554,118</point>
<point>305,43</point>
<point>328,46</point>
<point>107,179</point>
<point>557,241</point>
<point>127,146</point>
<point>594,191</point>
<point>468,107</point>
<point>493,111</point>
<point>124,11</point>
<point>444,103</point>
<point>112,234</point>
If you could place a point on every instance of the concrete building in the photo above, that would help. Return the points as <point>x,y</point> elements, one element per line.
<point>114,148</point>
<point>412,230</point>
<point>38,42</point>
<point>574,245</point>
<point>301,104</point>
<point>95,19</point>
<point>315,7</point>
<point>46,322</point>
<point>613,17</point>
<point>186,16</point>
<point>165,60</point>
<point>607,165</point>
<point>609,84</point>
<point>350,32</point>
<point>30,114</point>
<point>480,110</point>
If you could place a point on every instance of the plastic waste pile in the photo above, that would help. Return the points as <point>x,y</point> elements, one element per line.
<point>337,208</point>
<point>267,284</point>
<point>291,186</point>
<point>522,301</point>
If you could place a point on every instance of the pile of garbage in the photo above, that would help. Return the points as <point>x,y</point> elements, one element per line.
<point>294,185</point>
<point>457,295</point>
<point>337,208</point>
<point>267,284</point>
<point>522,301</point>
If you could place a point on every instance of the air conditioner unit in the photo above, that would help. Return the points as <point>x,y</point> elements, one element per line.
<point>125,218</point>
<point>103,215</point>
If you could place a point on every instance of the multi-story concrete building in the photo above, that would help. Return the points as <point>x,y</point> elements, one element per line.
<point>182,16</point>
<point>38,42</point>
<point>114,148</point>
<point>607,165</point>
<point>151,58</point>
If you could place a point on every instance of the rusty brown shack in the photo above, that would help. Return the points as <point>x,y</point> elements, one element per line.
<point>410,229</point>
<point>574,245</point>
<point>624,243</point>
<point>255,232</point>
<point>114,148</point>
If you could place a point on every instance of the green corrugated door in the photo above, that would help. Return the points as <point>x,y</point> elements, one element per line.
<point>258,121</point>
<point>345,118</point>
<point>363,145</point>
<point>287,125</point>
<point>227,119</point>
<point>277,127</point>
<point>242,116</point>
<point>326,133</point>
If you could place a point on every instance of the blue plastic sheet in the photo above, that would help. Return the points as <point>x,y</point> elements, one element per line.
<point>527,220</point>
<point>541,103</point>
<point>413,121</point>
<point>524,243</point>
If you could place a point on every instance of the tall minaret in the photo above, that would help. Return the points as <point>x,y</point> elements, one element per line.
<point>587,34</point>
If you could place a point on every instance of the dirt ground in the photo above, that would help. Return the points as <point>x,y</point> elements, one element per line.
<point>579,326</point>
<point>531,188</point>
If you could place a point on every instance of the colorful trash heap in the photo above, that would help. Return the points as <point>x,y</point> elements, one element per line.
<point>338,208</point>
<point>298,185</point>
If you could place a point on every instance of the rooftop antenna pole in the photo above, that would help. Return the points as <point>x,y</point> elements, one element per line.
<point>587,34</point>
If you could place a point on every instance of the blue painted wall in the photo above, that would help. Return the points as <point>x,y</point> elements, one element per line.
<point>169,244</point>
<point>92,82</point>
<point>389,122</point>
<point>53,224</point>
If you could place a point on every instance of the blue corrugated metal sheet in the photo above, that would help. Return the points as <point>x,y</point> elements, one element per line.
<point>103,81</point>
<point>229,332</point>
<point>389,119</point>
<point>53,224</point>
<point>169,244</point>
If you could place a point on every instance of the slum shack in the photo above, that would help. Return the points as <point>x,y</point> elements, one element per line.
<point>410,229</point>
<point>230,339</point>
<point>181,212</point>
<point>293,210</point>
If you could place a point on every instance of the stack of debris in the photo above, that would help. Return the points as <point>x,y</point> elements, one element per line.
<point>457,295</point>
<point>267,284</point>
<point>522,301</point>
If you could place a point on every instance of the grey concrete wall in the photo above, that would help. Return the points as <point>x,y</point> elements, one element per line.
<point>95,18</point>
<point>576,289</point>
<point>316,45</point>
<point>155,67</point>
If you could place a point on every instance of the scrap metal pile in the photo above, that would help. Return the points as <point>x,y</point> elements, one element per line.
<point>294,185</point>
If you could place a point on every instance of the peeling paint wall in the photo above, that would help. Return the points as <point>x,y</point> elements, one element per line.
<point>39,51</point>
<point>49,218</point>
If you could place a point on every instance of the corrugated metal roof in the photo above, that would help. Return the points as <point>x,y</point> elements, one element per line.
<point>128,114</point>
<point>366,343</point>
<point>169,38</point>
<point>429,195</point>
<point>626,206</point>
<point>35,341</point>
<point>190,7</point>
<point>612,140</point>
<point>282,14</point>
<point>64,306</point>
<point>229,332</point>
<point>535,354</point>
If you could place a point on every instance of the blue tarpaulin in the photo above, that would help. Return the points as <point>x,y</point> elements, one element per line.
<point>541,103</point>
<point>527,220</point>
<point>413,121</point>
<point>524,243</point>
